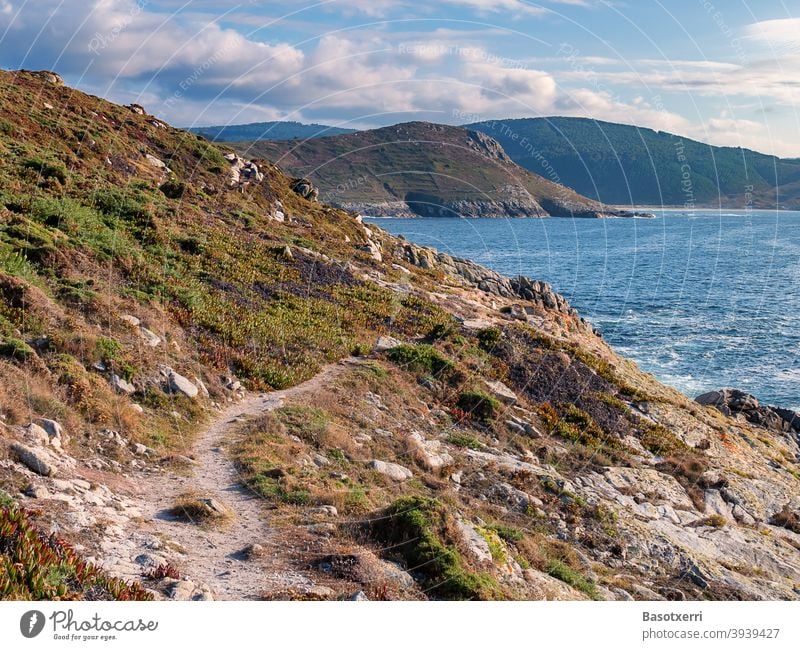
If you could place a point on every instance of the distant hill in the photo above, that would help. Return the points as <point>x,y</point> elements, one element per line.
<point>267,131</point>
<point>424,169</point>
<point>625,165</point>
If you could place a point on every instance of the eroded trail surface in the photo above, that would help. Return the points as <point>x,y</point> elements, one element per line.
<point>211,559</point>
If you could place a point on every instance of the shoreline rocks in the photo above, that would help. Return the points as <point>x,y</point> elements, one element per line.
<point>733,402</point>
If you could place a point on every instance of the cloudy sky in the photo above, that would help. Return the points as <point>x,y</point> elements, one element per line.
<point>726,72</point>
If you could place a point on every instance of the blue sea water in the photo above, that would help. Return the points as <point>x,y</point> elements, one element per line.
<point>703,300</point>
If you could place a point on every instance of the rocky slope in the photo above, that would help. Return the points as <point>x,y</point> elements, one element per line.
<point>424,169</point>
<point>219,387</point>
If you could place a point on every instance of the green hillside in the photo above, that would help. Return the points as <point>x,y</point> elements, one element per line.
<point>266,131</point>
<point>420,168</point>
<point>624,165</point>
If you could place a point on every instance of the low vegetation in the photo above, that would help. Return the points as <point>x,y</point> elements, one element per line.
<point>34,566</point>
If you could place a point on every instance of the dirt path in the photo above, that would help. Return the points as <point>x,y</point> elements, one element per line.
<point>213,556</point>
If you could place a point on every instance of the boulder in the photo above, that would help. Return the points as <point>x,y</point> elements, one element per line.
<point>36,434</point>
<point>359,596</point>
<point>732,402</point>
<point>305,188</point>
<point>180,384</point>
<point>253,551</point>
<point>386,343</point>
<point>373,249</point>
<point>131,320</point>
<point>324,511</point>
<point>500,391</point>
<point>36,491</point>
<point>475,544</point>
<point>392,470</point>
<point>514,498</point>
<point>53,428</point>
<point>122,386</point>
<point>49,77</point>
<point>151,339</point>
<point>429,452</point>
<point>34,459</point>
<point>155,162</point>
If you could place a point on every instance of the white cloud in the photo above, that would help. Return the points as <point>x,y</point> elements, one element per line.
<point>775,35</point>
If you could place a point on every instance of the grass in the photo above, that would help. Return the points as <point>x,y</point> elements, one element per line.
<point>195,509</point>
<point>573,578</point>
<point>464,440</point>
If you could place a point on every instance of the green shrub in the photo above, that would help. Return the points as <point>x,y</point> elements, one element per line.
<point>35,566</point>
<point>464,440</point>
<point>46,170</point>
<point>489,338</point>
<point>16,349</point>
<point>421,359</point>
<point>415,528</point>
<point>6,500</point>
<point>479,405</point>
<point>508,533</point>
<point>173,189</point>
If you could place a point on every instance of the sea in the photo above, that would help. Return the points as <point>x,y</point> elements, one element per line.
<point>703,299</point>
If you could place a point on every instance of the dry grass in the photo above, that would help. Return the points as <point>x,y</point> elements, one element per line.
<point>201,510</point>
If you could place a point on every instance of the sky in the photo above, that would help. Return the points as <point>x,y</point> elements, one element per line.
<point>725,72</point>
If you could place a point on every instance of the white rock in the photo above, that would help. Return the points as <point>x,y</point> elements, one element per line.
<point>201,387</point>
<point>140,450</point>
<point>53,428</point>
<point>502,392</point>
<point>392,470</point>
<point>429,452</point>
<point>475,543</point>
<point>385,343</point>
<point>358,596</point>
<point>180,384</point>
<point>326,511</point>
<point>36,434</point>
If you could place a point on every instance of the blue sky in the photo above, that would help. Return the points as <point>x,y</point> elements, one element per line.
<point>725,72</point>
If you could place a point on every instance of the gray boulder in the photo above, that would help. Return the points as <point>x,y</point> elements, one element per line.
<point>180,384</point>
<point>34,459</point>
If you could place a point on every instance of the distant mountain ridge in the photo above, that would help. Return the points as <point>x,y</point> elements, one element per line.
<point>276,130</point>
<point>628,165</point>
<point>424,169</point>
<point>614,164</point>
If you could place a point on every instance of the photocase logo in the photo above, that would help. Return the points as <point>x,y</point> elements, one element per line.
<point>31,623</point>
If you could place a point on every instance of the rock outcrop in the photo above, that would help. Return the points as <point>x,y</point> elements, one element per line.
<point>733,402</point>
